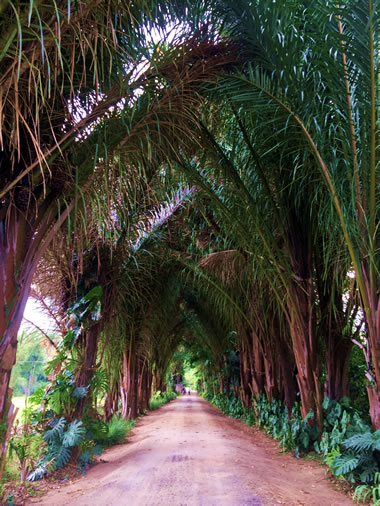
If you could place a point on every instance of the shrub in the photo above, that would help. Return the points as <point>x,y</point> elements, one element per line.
<point>117,430</point>
<point>348,445</point>
<point>360,457</point>
<point>160,398</point>
<point>365,492</point>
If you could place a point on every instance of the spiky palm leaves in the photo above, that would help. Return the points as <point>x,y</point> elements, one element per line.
<point>293,120</point>
<point>314,77</point>
<point>99,124</point>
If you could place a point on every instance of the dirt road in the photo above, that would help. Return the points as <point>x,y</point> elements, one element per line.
<point>188,453</point>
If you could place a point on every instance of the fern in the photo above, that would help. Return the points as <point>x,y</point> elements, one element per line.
<point>117,430</point>
<point>97,430</point>
<point>364,492</point>
<point>99,383</point>
<point>74,434</point>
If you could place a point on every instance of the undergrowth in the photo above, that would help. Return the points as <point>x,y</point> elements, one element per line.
<point>347,444</point>
<point>160,398</point>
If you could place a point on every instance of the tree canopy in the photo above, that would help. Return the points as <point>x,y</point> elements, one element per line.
<point>198,176</point>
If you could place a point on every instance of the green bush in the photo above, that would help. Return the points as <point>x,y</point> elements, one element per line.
<point>365,492</point>
<point>348,445</point>
<point>160,398</point>
<point>118,428</point>
<point>359,457</point>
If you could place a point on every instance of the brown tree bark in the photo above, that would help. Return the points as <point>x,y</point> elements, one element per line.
<point>86,371</point>
<point>110,403</point>
<point>245,375</point>
<point>338,354</point>
<point>374,406</point>
<point>301,316</point>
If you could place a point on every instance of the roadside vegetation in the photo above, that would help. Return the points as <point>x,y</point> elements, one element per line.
<point>161,398</point>
<point>190,192</point>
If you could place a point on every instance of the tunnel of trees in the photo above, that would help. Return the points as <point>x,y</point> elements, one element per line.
<point>195,176</point>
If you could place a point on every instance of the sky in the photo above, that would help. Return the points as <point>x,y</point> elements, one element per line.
<point>34,313</point>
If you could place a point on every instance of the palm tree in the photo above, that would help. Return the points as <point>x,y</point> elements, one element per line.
<point>317,155</point>
<point>75,111</point>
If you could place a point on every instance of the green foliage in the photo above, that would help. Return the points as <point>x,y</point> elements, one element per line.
<point>365,492</point>
<point>105,434</point>
<point>99,383</point>
<point>230,405</point>
<point>341,421</point>
<point>63,394</point>
<point>160,398</point>
<point>359,459</point>
<point>358,382</point>
<point>10,501</point>
<point>348,446</point>
<point>74,434</point>
<point>61,441</point>
<point>28,372</point>
<point>117,430</point>
<point>88,306</point>
<point>57,429</point>
<point>28,445</point>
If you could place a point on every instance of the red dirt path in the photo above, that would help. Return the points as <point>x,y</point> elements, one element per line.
<point>188,453</point>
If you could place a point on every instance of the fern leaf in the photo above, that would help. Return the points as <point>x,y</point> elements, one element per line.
<point>74,434</point>
<point>361,493</point>
<point>56,432</point>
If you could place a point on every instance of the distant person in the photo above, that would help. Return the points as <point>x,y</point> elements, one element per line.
<point>188,390</point>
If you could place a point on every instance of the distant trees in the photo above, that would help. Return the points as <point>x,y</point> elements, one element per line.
<point>33,353</point>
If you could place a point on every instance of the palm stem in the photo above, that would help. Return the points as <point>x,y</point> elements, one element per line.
<point>352,129</point>
<point>372,210</point>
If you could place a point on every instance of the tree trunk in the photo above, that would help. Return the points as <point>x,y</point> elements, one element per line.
<point>287,382</point>
<point>133,387</point>
<point>374,406</point>
<point>373,324</point>
<point>110,403</point>
<point>245,377</point>
<point>257,366</point>
<point>16,271</point>
<point>305,350</point>
<point>86,371</point>
<point>338,354</point>
<point>125,381</point>
<point>6,427</point>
